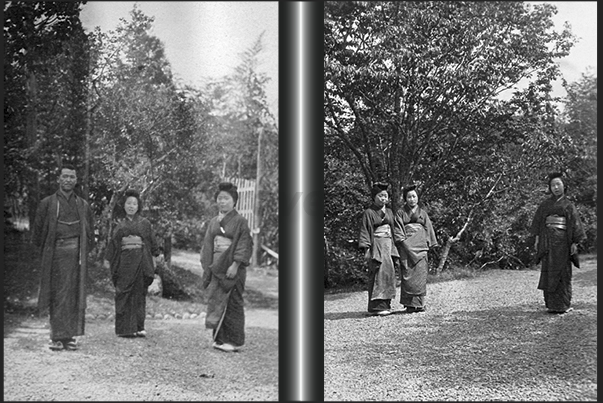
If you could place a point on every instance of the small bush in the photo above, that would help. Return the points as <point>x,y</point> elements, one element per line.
<point>344,268</point>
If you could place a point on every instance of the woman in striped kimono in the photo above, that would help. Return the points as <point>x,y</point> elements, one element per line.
<point>413,251</point>
<point>379,232</point>
<point>225,254</point>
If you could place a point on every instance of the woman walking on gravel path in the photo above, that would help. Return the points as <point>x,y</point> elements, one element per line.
<point>380,231</point>
<point>413,251</point>
<point>130,257</point>
<point>558,231</point>
<point>225,254</point>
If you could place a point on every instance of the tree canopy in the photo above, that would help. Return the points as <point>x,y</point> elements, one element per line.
<point>108,103</point>
<point>418,93</point>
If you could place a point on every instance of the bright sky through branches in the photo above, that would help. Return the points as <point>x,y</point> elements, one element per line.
<point>203,39</point>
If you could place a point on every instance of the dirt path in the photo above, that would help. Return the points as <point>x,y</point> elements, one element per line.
<point>175,361</point>
<point>259,280</point>
<point>486,338</point>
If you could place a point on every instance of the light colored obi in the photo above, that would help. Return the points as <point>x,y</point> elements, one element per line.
<point>131,242</point>
<point>221,243</point>
<point>383,231</point>
<point>412,228</point>
<point>68,222</point>
<point>554,221</point>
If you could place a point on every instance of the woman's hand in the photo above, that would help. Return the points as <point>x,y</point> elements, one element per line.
<point>232,270</point>
<point>106,264</point>
<point>573,249</point>
<point>367,255</point>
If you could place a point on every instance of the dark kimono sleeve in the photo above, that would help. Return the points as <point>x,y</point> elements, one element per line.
<point>578,233</point>
<point>90,228</point>
<point>366,230</point>
<point>431,238</point>
<point>207,253</point>
<point>244,247</point>
<point>399,233</point>
<point>537,221</point>
<point>113,251</point>
<point>37,234</point>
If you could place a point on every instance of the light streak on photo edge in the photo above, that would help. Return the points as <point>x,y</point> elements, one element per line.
<point>301,184</point>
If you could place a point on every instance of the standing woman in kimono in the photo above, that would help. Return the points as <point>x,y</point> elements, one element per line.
<point>558,231</point>
<point>413,251</point>
<point>130,257</point>
<point>379,232</point>
<point>225,254</point>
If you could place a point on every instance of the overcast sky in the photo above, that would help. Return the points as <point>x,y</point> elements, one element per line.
<point>582,16</point>
<point>202,39</point>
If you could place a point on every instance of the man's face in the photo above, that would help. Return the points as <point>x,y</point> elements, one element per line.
<point>67,179</point>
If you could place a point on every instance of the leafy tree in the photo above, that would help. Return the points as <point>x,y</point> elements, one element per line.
<point>45,69</point>
<point>403,78</point>
<point>580,124</point>
<point>413,91</point>
<point>240,108</point>
<point>244,140</point>
<point>148,134</point>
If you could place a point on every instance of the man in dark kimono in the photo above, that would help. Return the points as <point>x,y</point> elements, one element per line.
<point>64,230</point>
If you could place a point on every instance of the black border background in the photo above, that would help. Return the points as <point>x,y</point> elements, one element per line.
<point>300,377</point>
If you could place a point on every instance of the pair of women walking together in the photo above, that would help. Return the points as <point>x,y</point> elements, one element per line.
<point>396,240</point>
<point>225,253</point>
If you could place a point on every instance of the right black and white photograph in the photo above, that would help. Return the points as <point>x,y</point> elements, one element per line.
<point>460,201</point>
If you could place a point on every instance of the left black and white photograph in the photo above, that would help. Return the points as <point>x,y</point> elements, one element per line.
<point>141,201</point>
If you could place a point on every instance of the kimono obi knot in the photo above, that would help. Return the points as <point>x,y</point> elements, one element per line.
<point>131,242</point>
<point>221,243</point>
<point>383,231</point>
<point>555,221</point>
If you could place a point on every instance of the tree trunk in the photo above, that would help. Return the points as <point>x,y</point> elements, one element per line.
<point>450,241</point>
<point>85,179</point>
<point>444,255</point>
<point>257,219</point>
<point>106,224</point>
<point>167,249</point>
<point>33,184</point>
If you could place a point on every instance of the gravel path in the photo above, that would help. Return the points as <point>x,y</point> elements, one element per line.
<point>174,362</point>
<point>486,338</point>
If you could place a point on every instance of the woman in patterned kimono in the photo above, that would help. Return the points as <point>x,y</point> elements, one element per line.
<point>413,251</point>
<point>225,254</point>
<point>558,231</point>
<point>130,257</point>
<point>379,232</point>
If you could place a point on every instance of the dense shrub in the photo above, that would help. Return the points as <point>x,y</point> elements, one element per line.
<point>188,234</point>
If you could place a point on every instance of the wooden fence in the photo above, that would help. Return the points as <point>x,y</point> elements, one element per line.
<point>246,202</point>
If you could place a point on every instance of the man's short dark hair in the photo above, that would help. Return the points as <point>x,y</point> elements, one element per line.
<point>68,166</point>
